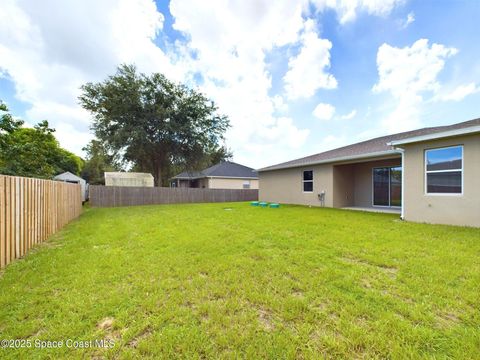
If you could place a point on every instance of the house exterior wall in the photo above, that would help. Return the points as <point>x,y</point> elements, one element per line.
<point>285,185</point>
<point>343,185</point>
<point>455,209</point>
<point>230,183</point>
<point>183,183</point>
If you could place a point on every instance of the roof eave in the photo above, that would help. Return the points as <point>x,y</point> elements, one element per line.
<point>333,160</point>
<point>233,177</point>
<point>188,178</point>
<point>434,136</point>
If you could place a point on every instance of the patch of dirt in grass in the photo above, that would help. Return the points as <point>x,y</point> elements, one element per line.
<point>203,274</point>
<point>139,337</point>
<point>391,271</point>
<point>106,324</point>
<point>446,320</point>
<point>190,305</point>
<point>257,257</point>
<point>298,293</point>
<point>36,334</point>
<point>362,321</point>
<point>265,318</point>
<point>366,283</point>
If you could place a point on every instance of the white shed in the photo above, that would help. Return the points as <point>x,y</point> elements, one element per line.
<point>72,178</point>
<point>128,179</point>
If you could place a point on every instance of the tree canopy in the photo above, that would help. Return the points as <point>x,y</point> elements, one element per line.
<point>33,152</point>
<point>154,124</point>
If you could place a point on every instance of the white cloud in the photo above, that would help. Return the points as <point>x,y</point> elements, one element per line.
<point>279,103</point>
<point>411,69</point>
<point>307,72</point>
<point>407,73</point>
<point>410,19</point>
<point>460,92</point>
<point>350,115</point>
<point>347,10</point>
<point>324,111</point>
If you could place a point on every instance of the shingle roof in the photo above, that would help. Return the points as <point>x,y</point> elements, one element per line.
<point>223,169</point>
<point>377,145</point>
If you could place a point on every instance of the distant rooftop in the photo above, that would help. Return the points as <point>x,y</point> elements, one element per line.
<point>380,145</point>
<point>223,169</point>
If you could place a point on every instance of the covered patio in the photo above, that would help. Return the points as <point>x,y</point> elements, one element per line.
<point>372,185</point>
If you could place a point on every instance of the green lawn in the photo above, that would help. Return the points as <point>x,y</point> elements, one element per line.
<point>231,280</point>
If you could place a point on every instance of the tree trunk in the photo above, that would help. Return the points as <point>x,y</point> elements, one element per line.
<point>157,171</point>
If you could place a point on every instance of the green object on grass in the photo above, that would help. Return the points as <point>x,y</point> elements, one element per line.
<point>254,203</point>
<point>274,206</point>
<point>263,204</point>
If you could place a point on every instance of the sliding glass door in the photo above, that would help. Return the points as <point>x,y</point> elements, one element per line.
<point>387,186</point>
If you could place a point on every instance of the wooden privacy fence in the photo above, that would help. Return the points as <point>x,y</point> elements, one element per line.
<point>31,210</point>
<point>111,196</point>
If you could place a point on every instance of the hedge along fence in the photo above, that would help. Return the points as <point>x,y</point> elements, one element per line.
<point>31,210</point>
<point>112,196</point>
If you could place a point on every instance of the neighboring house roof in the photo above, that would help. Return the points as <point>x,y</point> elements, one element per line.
<point>380,146</point>
<point>67,175</point>
<point>224,169</point>
<point>127,175</point>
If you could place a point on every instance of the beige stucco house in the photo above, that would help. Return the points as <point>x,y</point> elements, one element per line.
<point>428,175</point>
<point>225,175</point>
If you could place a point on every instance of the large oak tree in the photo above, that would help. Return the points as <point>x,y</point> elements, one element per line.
<point>153,124</point>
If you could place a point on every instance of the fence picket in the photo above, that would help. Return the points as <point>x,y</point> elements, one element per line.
<point>31,210</point>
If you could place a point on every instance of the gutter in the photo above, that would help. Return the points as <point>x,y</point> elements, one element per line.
<point>402,212</point>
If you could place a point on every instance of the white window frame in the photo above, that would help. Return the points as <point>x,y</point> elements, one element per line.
<point>426,172</point>
<point>304,181</point>
<point>246,184</point>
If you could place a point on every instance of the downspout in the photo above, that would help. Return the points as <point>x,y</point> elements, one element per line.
<point>402,151</point>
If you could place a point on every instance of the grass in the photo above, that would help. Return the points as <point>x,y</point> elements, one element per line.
<point>230,281</point>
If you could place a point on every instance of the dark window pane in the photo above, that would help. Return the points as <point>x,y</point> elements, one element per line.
<point>380,186</point>
<point>308,186</point>
<point>308,175</point>
<point>444,159</point>
<point>396,186</point>
<point>447,182</point>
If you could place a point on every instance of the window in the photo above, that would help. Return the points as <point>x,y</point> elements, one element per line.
<point>387,186</point>
<point>308,181</point>
<point>444,170</point>
<point>246,184</point>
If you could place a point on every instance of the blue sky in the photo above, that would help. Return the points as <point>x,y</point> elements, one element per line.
<point>295,77</point>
